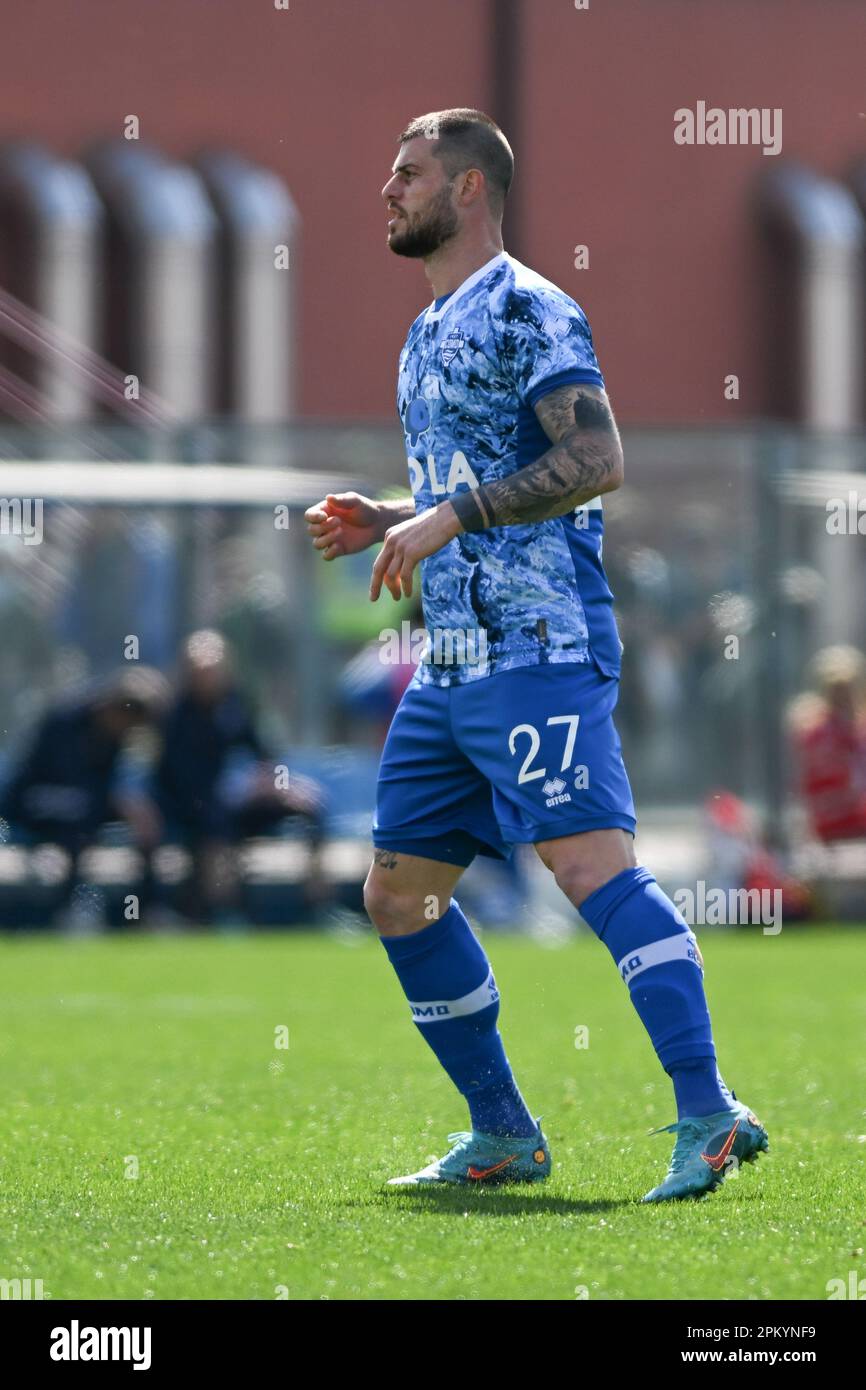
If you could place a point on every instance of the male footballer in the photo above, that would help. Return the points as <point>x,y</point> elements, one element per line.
<point>505,735</point>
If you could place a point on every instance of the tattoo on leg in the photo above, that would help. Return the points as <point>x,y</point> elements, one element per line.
<point>385,858</point>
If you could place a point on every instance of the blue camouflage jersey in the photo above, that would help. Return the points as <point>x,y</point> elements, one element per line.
<point>473,366</point>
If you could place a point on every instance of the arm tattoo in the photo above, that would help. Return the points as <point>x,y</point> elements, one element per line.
<point>584,461</point>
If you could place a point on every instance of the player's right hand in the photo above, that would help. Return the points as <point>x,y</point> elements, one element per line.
<point>343,524</point>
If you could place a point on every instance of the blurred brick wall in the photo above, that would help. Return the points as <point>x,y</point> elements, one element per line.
<point>319,92</point>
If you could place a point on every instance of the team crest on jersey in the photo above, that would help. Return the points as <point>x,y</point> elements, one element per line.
<point>452,345</point>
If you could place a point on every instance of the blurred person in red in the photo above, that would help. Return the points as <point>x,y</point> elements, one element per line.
<point>828,729</point>
<point>741,860</point>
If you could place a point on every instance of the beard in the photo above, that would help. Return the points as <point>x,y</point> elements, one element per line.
<point>424,232</point>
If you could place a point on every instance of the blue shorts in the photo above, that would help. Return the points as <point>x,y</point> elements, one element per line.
<point>521,756</point>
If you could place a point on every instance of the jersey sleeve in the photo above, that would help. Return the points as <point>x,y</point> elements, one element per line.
<point>545,343</point>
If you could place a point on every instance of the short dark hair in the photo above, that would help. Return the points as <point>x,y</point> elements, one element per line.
<point>467,139</point>
<point>140,690</point>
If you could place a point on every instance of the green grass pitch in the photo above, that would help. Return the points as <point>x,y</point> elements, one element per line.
<point>260,1169</point>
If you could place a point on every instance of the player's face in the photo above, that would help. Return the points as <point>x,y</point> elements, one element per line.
<point>419,199</point>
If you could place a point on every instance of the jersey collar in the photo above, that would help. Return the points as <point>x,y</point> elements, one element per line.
<point>433,314</point>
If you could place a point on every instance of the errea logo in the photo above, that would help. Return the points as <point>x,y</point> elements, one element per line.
<point>553,790</point>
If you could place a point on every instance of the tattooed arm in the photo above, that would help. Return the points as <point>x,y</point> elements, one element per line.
<point>585,460</point>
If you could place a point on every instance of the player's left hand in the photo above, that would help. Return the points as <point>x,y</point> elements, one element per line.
<point>407,544</point>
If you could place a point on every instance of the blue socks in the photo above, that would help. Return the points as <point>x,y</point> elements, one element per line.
<point>657,956</point>
<point>698,1087</point>
<point>447,979</point>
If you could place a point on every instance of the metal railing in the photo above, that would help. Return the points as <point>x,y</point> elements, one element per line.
<point>726,573</point>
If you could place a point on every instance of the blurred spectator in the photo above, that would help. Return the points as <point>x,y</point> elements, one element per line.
<point>215,785</point>
<point>740,860</point>
<point>372,683</point>
<point>828,728</point>
<point>71,782</point>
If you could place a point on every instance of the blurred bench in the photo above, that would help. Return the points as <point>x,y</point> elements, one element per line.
<point>274,868</point>
<point>274,872</point>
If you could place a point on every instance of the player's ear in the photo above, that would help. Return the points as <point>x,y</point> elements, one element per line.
<point>470,185</point>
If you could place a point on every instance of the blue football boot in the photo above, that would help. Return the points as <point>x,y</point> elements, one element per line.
<point>706,1149</point>
<point>475,1159</point>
